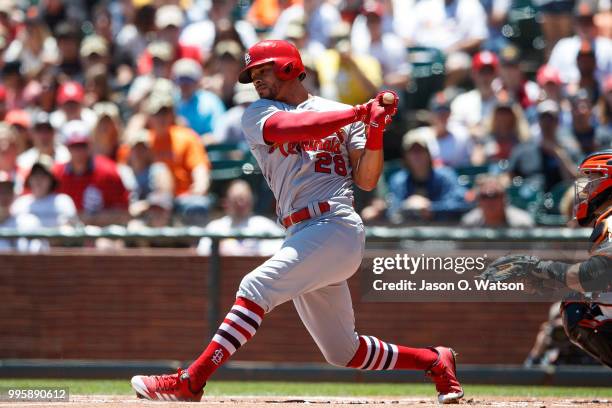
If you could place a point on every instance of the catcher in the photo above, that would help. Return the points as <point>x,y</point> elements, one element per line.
<point>587,312</point>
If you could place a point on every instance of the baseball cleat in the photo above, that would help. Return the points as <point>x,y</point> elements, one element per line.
<point>444,374</point>
<point>167,387</point>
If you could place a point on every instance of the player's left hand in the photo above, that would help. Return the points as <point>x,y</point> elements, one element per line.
<point>520,268</point>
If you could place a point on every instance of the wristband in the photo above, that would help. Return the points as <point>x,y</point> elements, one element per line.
<point>374,140</point>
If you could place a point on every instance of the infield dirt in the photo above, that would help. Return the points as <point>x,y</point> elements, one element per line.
<point>111,401</point>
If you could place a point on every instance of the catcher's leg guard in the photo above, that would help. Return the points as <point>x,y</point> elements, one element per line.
<point>586,331</point>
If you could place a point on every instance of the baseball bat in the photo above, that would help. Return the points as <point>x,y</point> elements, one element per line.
<point>388,98</point>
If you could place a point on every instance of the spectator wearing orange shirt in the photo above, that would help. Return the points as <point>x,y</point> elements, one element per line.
<point>182,151</point>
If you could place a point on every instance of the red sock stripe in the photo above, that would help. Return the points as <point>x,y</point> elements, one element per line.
<point>359,357</point>
<point>371,355</point>
<point>381,352</point>
<point>252,306</point>
<point>238,328</point>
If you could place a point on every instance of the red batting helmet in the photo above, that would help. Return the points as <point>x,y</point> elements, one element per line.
<point>286,58</point>
<point>593,185</point>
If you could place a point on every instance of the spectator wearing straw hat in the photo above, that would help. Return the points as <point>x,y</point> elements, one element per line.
<point>94,50</point>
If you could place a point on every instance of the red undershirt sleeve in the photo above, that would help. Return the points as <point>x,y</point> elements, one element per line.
<point>284,127</point>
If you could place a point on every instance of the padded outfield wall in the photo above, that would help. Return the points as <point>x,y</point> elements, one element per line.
<point>154,304</point>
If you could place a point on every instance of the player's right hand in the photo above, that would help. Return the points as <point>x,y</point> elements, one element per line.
<point>372,110</point>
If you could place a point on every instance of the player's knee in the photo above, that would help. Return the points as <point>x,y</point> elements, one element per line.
<point>251,287</point>
<point>338,359</point>
<point>342,354</point>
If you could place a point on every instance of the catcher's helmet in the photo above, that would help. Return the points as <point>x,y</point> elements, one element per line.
<point>593,185</point>
<point>286,58</point>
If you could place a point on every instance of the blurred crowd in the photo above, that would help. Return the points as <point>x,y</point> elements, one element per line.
<point>128,111</point>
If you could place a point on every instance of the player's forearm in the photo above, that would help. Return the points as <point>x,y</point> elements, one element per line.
<point>368,170</point>
<point>285,127</point>
<point>592,275</point>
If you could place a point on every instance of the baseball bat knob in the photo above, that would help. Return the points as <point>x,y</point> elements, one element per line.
<point>388,98</point>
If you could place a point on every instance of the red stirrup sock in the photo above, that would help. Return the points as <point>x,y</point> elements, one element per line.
<point>374,354</point>
<point>239,326</point>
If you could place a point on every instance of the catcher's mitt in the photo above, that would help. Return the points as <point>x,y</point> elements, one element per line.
<point>517,268</point>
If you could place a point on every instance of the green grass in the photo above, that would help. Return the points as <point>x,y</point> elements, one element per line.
<point>218,388</point>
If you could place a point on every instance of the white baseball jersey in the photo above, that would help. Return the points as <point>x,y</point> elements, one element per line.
<point>319,254</point>
<point>300,173</point>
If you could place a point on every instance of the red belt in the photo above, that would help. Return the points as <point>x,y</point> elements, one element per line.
<point>305,214</point>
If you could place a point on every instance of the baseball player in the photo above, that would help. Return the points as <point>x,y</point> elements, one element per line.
<point>311,151</point>
<point>587,313</point>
